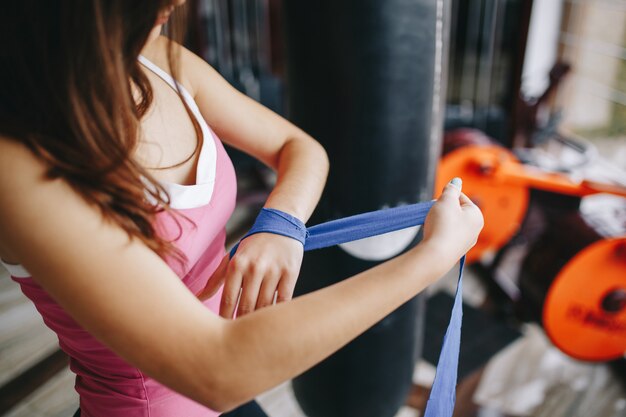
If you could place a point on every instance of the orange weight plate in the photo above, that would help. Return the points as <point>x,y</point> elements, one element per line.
<point>585,309</point>
<point>503,205</point>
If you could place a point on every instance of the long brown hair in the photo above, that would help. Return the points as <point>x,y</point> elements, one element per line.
<point>67,71</point>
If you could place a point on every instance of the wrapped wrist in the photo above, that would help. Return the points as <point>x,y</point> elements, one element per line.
<point>277,222</point>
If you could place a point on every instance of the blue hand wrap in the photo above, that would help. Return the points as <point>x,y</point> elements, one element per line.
<point>277,222</point>
<point>443,393</point>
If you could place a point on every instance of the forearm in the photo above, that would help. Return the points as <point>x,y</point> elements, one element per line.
<point>278,343</point>
<point>302,170</point>
<point>266,266</point>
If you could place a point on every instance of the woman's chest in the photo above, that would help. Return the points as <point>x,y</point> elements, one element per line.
<point>169,144</point>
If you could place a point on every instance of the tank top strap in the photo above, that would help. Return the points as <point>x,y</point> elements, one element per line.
<point>161,73</point>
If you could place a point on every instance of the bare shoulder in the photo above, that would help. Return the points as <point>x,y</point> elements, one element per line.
<point>24,179</point>
<point>33,206</point>
<point>191,70</point>
<point>19,170</point>
<point>18,166</point>
<point>25,187</point>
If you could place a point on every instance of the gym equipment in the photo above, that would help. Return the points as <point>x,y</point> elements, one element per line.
<point>366,79</point>
<point>495,179</point>
<point>558,260</point>
<point>487,50</point>
<point>572,276</point>
<point>587,320</point>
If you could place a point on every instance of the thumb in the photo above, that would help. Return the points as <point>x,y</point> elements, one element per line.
<point>465,200</point>
<point>452,190</point>
<point>215,281</point>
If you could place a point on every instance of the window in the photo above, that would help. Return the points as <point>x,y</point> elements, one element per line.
<point>593,97</point>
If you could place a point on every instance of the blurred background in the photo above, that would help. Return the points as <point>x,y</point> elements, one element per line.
<point>526,101</point>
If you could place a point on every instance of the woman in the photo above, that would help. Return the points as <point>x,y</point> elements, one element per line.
<point>115,193</point>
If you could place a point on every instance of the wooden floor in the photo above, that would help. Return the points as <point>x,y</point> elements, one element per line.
<point>46,389</point>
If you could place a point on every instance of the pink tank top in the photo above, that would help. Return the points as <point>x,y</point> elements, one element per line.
<point>107,385</point>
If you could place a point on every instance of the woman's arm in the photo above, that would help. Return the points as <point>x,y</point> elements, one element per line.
<point>300,161</point>
<point>266,263</point>
<point>127,297</point>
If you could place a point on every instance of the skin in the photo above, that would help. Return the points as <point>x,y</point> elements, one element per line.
<point>218,362</point>
<point>266,265</point>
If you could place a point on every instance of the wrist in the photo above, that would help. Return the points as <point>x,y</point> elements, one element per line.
<point>439,254</point>
<point>276,222</point>
<point>290,213</point>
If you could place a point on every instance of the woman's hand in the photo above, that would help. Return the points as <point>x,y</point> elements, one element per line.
<point>453,223</point>
<point>265,264</point>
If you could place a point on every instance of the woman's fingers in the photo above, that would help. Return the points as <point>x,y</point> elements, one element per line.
<point>473,211</point>
<point>267,264</point>
<point>215,282</point>
<point>285,288</point>
<point>232,287</point>
<point>256,274</point>
<point>465,200</point>
<point>267,292</point>
<point>452,190</point>
<point>251,284</point>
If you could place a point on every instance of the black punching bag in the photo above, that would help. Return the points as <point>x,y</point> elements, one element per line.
<point>365,78</point>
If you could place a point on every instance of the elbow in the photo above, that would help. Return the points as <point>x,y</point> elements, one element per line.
<point>223,399</point>
<point>226,406</point>
<point>325,159</point>
<point>219,405</point>
<point>323,162</point>
<point>225,387</point>
<point>312,149</point>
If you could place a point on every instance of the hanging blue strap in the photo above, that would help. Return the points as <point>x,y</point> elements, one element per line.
<point>360,226</point>
<point>443,393</point>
